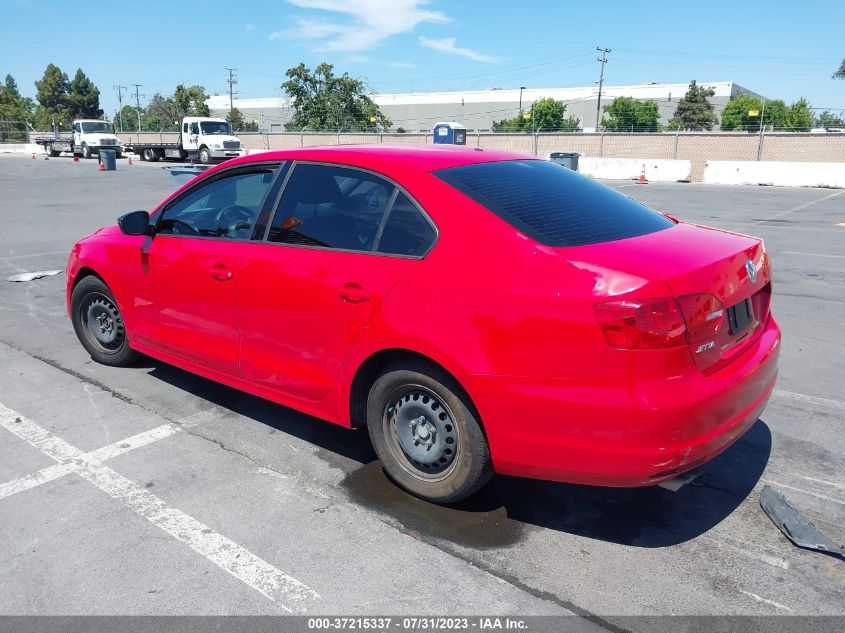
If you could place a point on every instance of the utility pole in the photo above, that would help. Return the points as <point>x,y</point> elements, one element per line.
<point>138,104</point>
<point>232,80</point>
<point>120,90</point>
<point>521,88</point>
<point>603,60</point>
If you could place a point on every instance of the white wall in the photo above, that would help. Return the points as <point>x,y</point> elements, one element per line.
<point>777,173</point>
<point>656,170</point>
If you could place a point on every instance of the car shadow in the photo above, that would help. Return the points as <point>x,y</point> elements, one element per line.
<point>506,510</point>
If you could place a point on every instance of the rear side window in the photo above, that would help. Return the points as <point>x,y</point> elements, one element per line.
<point>407,231</point>
<point>552,204</point>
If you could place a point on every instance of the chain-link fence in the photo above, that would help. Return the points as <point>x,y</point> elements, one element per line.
<point>697,147</point>
<point>14,132</point>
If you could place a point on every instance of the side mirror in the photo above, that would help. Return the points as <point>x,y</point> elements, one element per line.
<point>134,223</point>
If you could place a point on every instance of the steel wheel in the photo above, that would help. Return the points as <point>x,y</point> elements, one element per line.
<point>422,433</point>
<point>103,325</point>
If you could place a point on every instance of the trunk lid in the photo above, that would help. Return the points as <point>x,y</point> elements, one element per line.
<point>695,260</point>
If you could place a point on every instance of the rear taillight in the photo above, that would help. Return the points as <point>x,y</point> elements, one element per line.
<point>642,323</point>
<point>690,320</point>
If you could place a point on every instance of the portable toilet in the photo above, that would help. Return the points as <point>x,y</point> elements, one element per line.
<point>450,133</point>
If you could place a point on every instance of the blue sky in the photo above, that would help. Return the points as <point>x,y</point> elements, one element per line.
<point>780,49</point>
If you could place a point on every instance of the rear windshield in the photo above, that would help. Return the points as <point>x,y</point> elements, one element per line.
<point>552,204</point>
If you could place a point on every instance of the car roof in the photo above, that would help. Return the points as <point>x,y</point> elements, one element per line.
<point>390,158</point>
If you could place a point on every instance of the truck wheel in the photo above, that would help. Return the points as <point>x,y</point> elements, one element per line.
<point>50,151</point>
<point>205,156</point>
<point>425,433</point>
<point>149,155</point>
<point>86,152</point>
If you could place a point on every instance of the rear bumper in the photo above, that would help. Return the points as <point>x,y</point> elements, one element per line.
<point>630,434</point>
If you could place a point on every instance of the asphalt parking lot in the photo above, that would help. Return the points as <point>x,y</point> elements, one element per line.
<point>152,491</point>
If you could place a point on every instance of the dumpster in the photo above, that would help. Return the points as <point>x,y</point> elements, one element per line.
<point>182,174</point>
<point>566,159</point>
<point>108,159</point>
<point>450,133</point>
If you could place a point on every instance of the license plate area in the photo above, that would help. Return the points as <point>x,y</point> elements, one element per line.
<point>740,316</point>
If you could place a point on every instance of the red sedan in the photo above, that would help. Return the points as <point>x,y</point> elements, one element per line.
<point>478,311</point>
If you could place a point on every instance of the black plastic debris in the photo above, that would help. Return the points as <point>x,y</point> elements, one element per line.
<point>795,527</point>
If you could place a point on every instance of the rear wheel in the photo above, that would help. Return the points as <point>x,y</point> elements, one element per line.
<point>149,154</point>
<point>52,153</point>
<point>425,433</point>
<point>99,324</point>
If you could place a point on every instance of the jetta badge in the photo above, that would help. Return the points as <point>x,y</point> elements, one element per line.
<point>752,272</point>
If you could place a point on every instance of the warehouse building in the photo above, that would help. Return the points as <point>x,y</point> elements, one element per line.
<point>479,109</point>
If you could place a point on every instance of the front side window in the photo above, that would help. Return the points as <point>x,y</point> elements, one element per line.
<point>195,128</point>
<point>224,208</point>
<point>331,207</point>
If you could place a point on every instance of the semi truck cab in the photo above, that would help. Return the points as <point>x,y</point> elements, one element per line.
<point>92,135</point>
<point>210,139</point>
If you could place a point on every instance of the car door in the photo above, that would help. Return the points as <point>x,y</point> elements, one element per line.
<point>306,293</point>
<point>185,290</point>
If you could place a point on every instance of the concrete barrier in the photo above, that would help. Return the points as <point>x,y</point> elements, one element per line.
<point>21,148</point>
<point>776,173</point>
<point>657,170</point>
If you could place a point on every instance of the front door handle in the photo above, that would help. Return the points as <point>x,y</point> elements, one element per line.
<point>353,293</point>
<point>221,273</point>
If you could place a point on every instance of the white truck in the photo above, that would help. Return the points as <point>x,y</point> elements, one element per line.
<point>89,136</point>
<point>204,139</point>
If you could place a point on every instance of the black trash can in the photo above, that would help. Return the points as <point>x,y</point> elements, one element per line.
<point>108,158</point>
<point>567,159</point>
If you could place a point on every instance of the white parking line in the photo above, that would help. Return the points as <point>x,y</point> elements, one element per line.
<point>803,397</point>
<point>771,603</point>
<point>803,206</point>
<point>291,594</point>
<point>56,471</point>
<point>813,254</point>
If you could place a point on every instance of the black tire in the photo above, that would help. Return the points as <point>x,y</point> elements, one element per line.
<point>105,340</point>
<point>86,152</point>
<point>50,151</point>
<point>431,399</point>
<point>205,155</point>
<point>149,154</point>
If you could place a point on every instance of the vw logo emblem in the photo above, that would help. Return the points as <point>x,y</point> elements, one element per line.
<point>752,272</point>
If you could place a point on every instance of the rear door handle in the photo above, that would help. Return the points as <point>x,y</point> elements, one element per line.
<point>221,273</point>
<point>353,293</point>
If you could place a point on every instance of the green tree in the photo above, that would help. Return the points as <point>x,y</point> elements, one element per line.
<point>83,98</point>
<point>694,111</point>
<point>325,101</point>
<point>735,116</point>
<point>827,119</point>
<point>626,114</point>
<point>15,111</point>
<point>545,114</point>
<point>52,95</point>
<point>130,118</point>
<point>799,116</point>
<point>160,114</point>
<point>190,101</point>
<point>840,74</point>
<point>236,119</point>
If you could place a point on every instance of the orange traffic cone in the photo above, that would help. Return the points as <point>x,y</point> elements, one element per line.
<point>130,161</point>
<point>102,167</point>
<point>75,158</point>
<point>33,155</point>
<point>642,180</point>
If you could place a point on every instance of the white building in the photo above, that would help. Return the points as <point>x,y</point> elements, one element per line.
<point>479,109</point>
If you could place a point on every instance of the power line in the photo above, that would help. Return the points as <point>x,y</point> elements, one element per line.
<point>603,60</point>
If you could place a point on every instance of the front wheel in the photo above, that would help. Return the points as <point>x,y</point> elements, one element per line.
<point>425,433</point>
<point>205,155</point>
<point>86,152</point>
<point>99,325</point>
